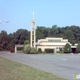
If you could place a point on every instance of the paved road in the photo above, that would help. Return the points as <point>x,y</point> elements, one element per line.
<point>64,65</point>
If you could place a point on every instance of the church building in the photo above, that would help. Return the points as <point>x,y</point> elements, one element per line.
<point>52,43</point>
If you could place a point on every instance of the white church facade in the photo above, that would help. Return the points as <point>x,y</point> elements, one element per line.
<point>52,43</point>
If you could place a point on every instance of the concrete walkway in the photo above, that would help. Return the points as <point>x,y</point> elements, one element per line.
<point>65,65</point>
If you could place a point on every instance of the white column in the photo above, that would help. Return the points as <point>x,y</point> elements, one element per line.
<point>34,34</point>
<point>15,49</point>
<point>55,50</point>
<point>31,34</point>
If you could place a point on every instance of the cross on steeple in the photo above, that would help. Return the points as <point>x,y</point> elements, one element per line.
<point>33,14</point>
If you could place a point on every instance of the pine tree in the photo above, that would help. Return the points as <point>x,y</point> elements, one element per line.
<point>67,48</point>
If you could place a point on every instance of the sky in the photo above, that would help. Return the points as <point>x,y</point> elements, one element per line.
<point>48,13</point>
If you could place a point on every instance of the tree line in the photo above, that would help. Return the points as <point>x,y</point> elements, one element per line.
<point>72,33</point>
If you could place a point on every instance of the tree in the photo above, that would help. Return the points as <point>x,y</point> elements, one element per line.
<point>68,33</point>
<point>21,35</point>
<point>41,32</point>
<point>72,33</point>
<point>67,48</point>
<point>26,42</point>
<point>3,40</point>
<point>54,30</point>
<point>78,48</point>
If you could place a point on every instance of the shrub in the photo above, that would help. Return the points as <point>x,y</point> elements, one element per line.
<point>12,50</point>
<point>33,51</point>
<point>40,50</point>
<point>28,50</point>
<point>49,50</point>
<point>26,47</point>
<point>67,48</point>
<point>78,48</point>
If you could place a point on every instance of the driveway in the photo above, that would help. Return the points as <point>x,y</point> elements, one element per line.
<point>64,65</point>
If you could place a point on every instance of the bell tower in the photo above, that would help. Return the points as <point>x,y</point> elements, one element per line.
<point>33,32</point>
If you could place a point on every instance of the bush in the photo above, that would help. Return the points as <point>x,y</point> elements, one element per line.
<point>12,50</point>
<point>40,50</point>
<point>49,50</point>
<point>28,50</point>
<point>67,48</point>
<point>26,47</point>
<point>78,48</point>
<point>33,51</point>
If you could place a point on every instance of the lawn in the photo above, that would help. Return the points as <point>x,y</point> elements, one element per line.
<point>10,70</point>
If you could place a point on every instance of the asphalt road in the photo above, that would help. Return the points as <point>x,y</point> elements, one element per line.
<point>65,65</point>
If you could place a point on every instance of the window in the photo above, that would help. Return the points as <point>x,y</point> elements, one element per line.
<point>53,40</point>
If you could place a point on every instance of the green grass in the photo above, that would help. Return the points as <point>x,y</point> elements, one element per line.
<point>10,70</point>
